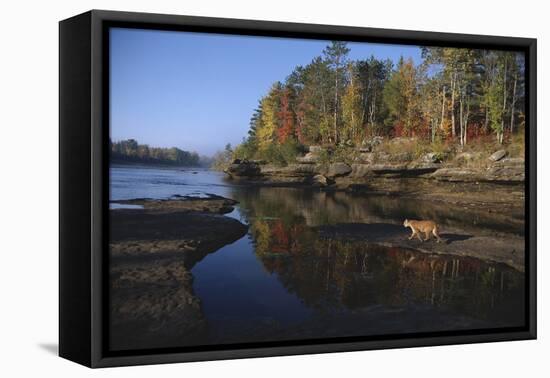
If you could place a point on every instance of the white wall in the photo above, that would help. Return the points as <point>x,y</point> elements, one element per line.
<point>28,158</point>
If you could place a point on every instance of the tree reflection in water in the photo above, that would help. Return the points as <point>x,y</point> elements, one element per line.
<point>335,276</point>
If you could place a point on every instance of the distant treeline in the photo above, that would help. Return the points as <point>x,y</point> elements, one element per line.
<point>452,95</point>
<point>131,151</point>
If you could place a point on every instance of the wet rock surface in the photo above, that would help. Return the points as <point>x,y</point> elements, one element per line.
<point>152,250</point>
<point>501,171</point>
<point>503,248</point>
<point>210,204</point>
<point>435,175</point>
<point>320,180</point>
<point>153,305</point>
<point>186,235</point>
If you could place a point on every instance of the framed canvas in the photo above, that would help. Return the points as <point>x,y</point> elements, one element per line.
<point>235,188</point>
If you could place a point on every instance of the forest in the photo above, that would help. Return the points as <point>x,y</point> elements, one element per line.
<point>452,96</point>
<point>130,151</point>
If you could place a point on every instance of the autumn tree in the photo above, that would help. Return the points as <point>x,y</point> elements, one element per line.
<point>336,56</point>
<point>286,117</point>
<point>266,134</point>
<point>352,111</point>
<point>401,97</point>
<point>336,101</point>
<point>312,87</point>
<point>433,100</point>
<point>373,75</point>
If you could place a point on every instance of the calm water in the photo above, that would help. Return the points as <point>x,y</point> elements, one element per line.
<point>284,281</point>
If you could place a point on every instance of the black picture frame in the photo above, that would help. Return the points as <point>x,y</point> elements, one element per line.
<point>83,181</point>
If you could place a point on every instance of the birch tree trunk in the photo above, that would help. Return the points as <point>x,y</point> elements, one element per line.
<point>466,122</point>
<point>323,99</point>
<point>364,109</point>
<point>336,105</point>
<point>460,119</point>
<point>453,84</point>
<point>353,131</point>
<point>372,115</point>
<point>443,100</point>
<point>512,106</point>
<point>505,94</point>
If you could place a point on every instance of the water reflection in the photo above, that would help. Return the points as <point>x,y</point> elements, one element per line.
<point>320,207</point>
<point>335,276</point>
<point>288,279</point>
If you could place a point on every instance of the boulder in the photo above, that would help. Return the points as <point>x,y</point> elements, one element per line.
<point>320,181</point>
<point>243,168</point>
<point>500,154</point>
<point>431,157</point>
<point>309,158</point>
<point>338,170</point>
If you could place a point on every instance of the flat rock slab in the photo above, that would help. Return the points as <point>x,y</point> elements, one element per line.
<point>211,204</point>
<point>152,250</point>
<point>141,233</point>
<point>152,305</point>
<point>507,249</point>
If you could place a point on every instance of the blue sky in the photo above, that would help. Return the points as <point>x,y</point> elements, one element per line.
<point>197,91</point>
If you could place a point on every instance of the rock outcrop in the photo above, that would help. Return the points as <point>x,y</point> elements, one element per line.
<point>367,163</point>
<point>500,154</point>
<point>151,253</point>
<point>243,168</point>
<point>501,171</point>
<point>210,204</point>
<point>320,181</point>
<point>338,170</point>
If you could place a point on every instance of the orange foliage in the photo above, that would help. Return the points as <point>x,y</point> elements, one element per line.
<point>286,128</point>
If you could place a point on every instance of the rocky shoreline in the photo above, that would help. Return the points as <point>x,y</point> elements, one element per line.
<point>152,250</point>
<point>468,178</point>
<point>506,249</point>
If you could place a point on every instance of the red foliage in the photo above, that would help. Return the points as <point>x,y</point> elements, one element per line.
<point>280,236</point>
<point>475,131</point>
<point>398,130</point>
<point>286,128</point>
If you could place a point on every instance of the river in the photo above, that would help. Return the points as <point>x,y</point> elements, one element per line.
<point>285,281</point>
